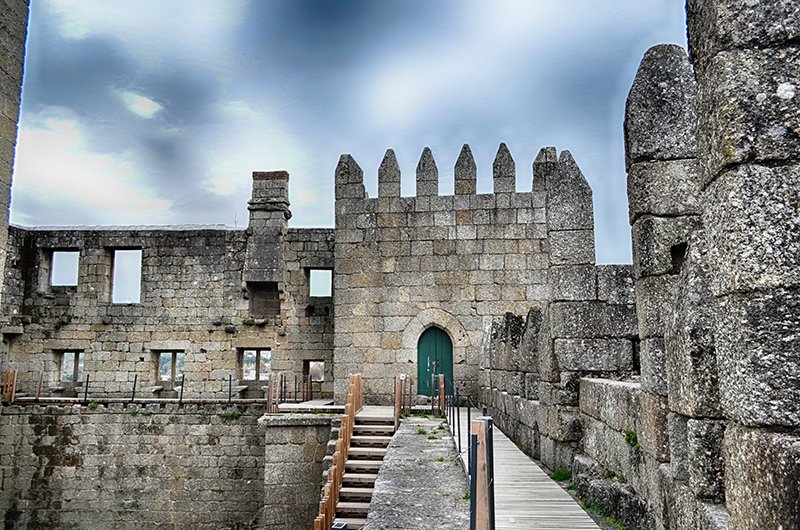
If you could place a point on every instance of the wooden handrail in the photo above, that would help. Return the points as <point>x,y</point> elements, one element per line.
<point>9,386</point>
<point>330,493</point>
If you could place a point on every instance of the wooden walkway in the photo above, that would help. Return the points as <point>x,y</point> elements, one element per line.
<point>525,497</point>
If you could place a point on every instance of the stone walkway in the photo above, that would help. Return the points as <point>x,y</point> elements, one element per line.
<point>420,484</point>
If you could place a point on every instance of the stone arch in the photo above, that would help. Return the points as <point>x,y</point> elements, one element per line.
<point>407,354</point>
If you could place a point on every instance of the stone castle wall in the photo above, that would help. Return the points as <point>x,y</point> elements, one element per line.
<point>404,264</point>
<point>13,31</point>
<point>131,466</point>
<point>193,300</point>
<point>703,433</point>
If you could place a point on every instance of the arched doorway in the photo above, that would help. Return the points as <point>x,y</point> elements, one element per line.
<point>434,356</point>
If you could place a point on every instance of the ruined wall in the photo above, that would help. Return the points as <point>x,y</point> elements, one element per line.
<point>193,299</point>
<point>531,368</point>
<point>404,264</point>
<point>13,31</point>
<point>131,466</point>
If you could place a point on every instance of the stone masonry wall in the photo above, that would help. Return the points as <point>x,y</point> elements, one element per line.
<point>293,473</point>
<point>131,466</point>
<point>747,65</point>
<point>531,368</point>
<point>13,31</point>
<point>404,264</point>
<point>192,299</point>
<point>707,435</point>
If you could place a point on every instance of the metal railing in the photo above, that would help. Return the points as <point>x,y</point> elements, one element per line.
<point>277,390</point>
<point>480,453</point>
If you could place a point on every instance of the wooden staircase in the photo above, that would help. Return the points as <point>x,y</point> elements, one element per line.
<point>371,436</point>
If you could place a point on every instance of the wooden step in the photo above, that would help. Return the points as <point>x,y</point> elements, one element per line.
<point>370,419</point>
<point>352,508</point>
<point>373,430</point>
<point>355,493</point>
<point>359,478</point>
<point>369,441</point>
<point>366,453</point>
<point>363,465</point>
<point>353,523</point>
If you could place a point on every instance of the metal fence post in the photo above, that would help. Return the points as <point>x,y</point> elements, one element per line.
<point>473,479</point>
<point>458,421</point>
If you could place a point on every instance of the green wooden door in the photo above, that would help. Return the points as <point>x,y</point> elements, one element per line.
<point>434,356</point>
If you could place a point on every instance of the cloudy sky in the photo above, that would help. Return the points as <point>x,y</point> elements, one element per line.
<point>157,111</point>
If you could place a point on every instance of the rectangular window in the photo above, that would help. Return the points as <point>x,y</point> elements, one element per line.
<point>71,366</point>
<point>64,268</point>
<point>256,364</point>
<point>320,282</point>
<point>265,299</point>
<point>316,371</point>
<point>170,366</point>
<point>126,287</point>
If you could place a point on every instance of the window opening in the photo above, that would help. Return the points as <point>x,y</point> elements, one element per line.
<point>256,364</point>
<point>71,366</point>
<point>126,287</point>
<point>170,365</point>
<point>64,268</point>
<point>316,371</point>
<point>678,254</point>
<point>265,300</point>
<point>320,282</point>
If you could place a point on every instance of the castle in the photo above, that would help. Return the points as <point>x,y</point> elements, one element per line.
<point>670,388</point>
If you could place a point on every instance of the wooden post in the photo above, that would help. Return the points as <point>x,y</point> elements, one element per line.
<point>482,517</point>
<point>399,381</point>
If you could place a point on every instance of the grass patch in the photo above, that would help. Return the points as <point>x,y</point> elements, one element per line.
<point>631,439</point>
<point>466,497</point>
<point>446,494</point>
<point>571,486</point>
<point>422,431</point>
<point>230,416</point>
<point>560,475</point>
<point>93,405</point>
<point>597,508</point>
<point>432,437</point>
<point>134,412</point>
<point>440,459</point>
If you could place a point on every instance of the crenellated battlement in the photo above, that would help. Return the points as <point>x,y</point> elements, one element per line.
<point>350,176</point>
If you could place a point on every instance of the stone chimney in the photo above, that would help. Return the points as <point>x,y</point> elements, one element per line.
<point>269,214</point>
